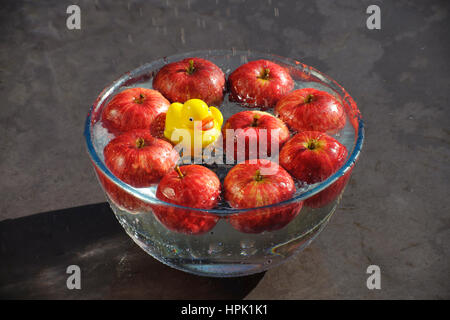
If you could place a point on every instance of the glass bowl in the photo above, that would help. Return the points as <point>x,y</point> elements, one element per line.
<point>222,246</point>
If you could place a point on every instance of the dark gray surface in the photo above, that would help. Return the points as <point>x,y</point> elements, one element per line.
<point>36,251</point>
<point>395,211</point>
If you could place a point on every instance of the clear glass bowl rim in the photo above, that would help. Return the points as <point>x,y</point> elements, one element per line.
<point>226,211</point>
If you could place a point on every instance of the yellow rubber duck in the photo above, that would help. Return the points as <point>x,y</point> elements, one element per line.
<point>193,119</point>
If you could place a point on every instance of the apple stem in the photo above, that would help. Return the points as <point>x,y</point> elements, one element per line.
<point>191,68</point>
<point>178,170</point>
<point>309,98</point>
<point>312,144</point>
<point>265,74</point>
<point>258,176</point>
<point>255,121</point>
<point>140,143</point>
<point>140,99</point>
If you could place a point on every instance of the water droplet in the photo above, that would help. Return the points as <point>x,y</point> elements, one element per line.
<point>215,248</point>
<point>247,244</point>
<point>183,40</point>
<point>175,12</point>
<point>248,248</point>
<point>220,26</point>
<point>276,12</point>
<point>130,38</point>
<point>248,251</point>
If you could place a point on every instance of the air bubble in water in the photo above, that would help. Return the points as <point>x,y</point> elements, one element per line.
<point>248,252</point>
<point>248,248</point>
<point>215,248</point>
<point>247,244</point>
<point>101,138</point>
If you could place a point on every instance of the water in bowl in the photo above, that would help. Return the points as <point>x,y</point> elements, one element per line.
<point>224,251</point>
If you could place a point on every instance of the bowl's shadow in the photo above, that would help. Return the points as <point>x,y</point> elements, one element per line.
<point>35,252</point>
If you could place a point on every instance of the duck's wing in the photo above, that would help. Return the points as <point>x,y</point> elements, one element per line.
<point>173,117</point>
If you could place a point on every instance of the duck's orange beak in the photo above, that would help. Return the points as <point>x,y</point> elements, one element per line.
<point>207,123</point>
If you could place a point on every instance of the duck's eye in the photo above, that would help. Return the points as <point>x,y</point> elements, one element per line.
<point>191,119</point>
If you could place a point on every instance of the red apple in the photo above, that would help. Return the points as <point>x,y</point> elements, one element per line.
<point>311,157</point>
<point>120,197</point>
<point>191,78</point>
<point>192,186</point>
<point>255,125</point>
<point>247,186</point>
<point>259,83</point>
<point>138,158</point>
<point>330,194</point>
<point>311,110</point>
<point>134,108</point>
<point>158,125</point>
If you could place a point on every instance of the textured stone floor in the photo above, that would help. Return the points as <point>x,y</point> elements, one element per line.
<point>395,211</point>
